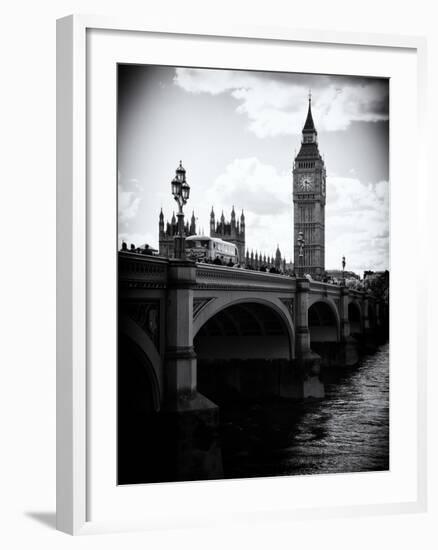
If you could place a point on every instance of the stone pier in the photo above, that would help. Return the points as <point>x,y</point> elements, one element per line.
<point>303,381</point>
<point>190,419</point>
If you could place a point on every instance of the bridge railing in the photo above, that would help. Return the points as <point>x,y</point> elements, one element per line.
<point>223,276</point>
<point>328,288</point>
<point>142,271</point>
<point>324,288</point>
<point>356,293</point>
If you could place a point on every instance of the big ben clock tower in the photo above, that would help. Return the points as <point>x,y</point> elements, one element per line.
<point>309,188</point>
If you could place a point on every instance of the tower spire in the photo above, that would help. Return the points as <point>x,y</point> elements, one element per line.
<point>193,224</point>
<point>161,222</point>
<point>309,125</point>
<point>233,217</point>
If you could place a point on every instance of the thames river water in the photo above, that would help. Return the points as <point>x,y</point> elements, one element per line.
<point>347,431</point>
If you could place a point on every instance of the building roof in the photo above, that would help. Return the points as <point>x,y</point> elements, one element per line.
<point>309,151</point>
<point>309,125</point>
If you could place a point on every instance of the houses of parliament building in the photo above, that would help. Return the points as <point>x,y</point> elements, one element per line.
<point>232,231</point>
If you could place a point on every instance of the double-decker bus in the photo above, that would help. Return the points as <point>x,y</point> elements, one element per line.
<point>201,248</point>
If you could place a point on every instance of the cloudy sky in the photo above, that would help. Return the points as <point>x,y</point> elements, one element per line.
<point>237,134</point>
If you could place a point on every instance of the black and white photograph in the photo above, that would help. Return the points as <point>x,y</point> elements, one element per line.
<point>253,274</point>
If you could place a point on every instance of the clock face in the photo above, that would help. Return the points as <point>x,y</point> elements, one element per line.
<point>305,183</point>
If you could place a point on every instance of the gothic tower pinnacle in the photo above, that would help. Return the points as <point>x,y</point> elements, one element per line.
<point>193,224</point>
<point>212,222</point>
<point>161,222</point>
<point>229,230</point>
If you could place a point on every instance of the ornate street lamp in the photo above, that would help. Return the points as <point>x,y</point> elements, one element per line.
<point>301,242</point>
<point>181,193</point>
<point>343,270</point>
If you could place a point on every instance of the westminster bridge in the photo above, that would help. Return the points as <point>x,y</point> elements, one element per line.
<point>194,334</point>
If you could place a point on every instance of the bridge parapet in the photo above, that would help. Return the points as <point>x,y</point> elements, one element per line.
<point>335,290</point>
<point>325,289</point>
<point>360,294</point>
<point>222,277</point>
<point>141,271</point>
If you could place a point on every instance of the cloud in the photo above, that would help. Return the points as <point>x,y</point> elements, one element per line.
<point>256,186</point>
<point>265,196</point>
<point>274,103</point>
<point>128,205</point>
<point>357,224</point>
<point>129,200</point>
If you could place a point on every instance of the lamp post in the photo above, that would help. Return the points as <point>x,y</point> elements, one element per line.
<point>343,270</point>
<point>181,193</point>
<point>301,242</point>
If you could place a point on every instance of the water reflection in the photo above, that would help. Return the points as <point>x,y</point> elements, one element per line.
<point>348,431</point>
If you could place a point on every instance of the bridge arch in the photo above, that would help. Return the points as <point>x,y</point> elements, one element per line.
<point>243,347</point>
<point>140,348</point>
<point>275,305</point>
<point>324,330</point>
<point>323,312</point>
<point>140,448</point>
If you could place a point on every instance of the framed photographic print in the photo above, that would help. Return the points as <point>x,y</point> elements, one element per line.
<point>237,215</point>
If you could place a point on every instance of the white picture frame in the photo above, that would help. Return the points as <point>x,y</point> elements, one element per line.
<point>76,211</point>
